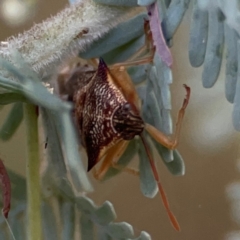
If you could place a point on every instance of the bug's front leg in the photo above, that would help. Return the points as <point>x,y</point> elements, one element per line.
<point>111,160</point>
<point>112,154</point>
<point>161,137</point>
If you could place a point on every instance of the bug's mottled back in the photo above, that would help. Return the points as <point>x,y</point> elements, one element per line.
<point>97,108</point>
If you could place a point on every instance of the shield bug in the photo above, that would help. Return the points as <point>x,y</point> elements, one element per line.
<point>107,114</point>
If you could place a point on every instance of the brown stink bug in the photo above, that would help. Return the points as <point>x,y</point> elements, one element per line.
<point>107,114</point>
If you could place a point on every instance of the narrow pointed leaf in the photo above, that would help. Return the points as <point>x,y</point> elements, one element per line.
<point>231,39</point>
<point>161,116</point>
<point>214,51</point>
<point>198,36</point>
<point>174,16</point>
<point>148,184</point>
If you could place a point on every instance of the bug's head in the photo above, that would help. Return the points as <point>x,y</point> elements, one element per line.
<point>127,122</point>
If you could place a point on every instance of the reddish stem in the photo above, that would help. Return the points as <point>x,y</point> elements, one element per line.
<point>6,188</point>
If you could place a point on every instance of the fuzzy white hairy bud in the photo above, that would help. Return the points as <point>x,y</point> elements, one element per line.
<point>70,31</point>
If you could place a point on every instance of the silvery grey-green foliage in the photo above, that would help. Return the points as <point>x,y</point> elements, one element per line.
<point>61,140</point>
<point>213,24</point>
<point>205,47</point>
<point>68,205</point>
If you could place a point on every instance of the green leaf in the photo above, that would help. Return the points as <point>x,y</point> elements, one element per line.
<point>117,37</point>
<point>143,236</point>
<point>174,16</point>
<point>68,218</point>
<point>32,88</point>
<point>147,181</point>
<point>55,155</point>
<point>198,36</point>
<point>12,97</point>
<point>214,51</point>
<point>236,106</point>
<point>120,230</point>
<point>50,229</point>
<point>124,52</point>
<point>138,73</point>
<point>10,84</point>
<point>18,184</point>
<point>67,133</point>
<point>12,122</point>
<point>231,39</point>
<point>145,2</point>
<point>86,228</point>
<point>105,214</point>
<point>176,166</point>
<point>120,3</point>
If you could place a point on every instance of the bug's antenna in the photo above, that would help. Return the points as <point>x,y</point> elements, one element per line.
<point>163,195</point>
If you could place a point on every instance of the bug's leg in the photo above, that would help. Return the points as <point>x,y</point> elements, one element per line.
<point>129,170</point>
<point>112,154</point>
<point>148,45</point>
<point>140,61</point>
<point>144,55</point>
<point>161,137</point>
<point>111,160</point>
<point>163,195</point>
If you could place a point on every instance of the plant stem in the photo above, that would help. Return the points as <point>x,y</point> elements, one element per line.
<point>34,225</point>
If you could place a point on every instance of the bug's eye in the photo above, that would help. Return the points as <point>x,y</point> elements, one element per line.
<point>126,107</point>
<point>127,123</point>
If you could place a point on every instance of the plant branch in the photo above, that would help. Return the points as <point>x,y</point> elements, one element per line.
<point>34,226</point>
